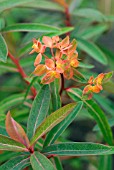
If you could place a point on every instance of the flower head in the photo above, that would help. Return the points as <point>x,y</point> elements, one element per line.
<point>63,61</point>
<point>95,85</point>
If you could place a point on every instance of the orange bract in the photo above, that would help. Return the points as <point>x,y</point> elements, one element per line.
<point>95,86</point>
<point>63,61</point>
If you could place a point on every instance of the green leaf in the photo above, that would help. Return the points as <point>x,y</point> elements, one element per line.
<point>16,163</point>
<point>5,156</point>
<point>61,32</point>
<point>59,129</point>
<point>4,5</point>
<point>51,121</point>
<point>96,113</point>
<point>89,13</point>
<point>110,122</point>
<point>3,131</point>
<point>105,162</point>
<point>9,144</point>
<point>11,101</point>
<point>44,5</point>
<point>31,27</point>
<point>93,31</point>
<point>3,49</point>
<point>55,97</point>
<point>40,162</point>
<point>2,23</point>
<point>83,65</point>
<point>76,149</point>
<point>105,103</point>
<point>93,50</point>
<point>39,110</point>
<point>57,163</point>
<point>29,87</point>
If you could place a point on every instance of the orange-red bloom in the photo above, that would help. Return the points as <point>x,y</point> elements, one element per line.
<point>63,61</point>
<point>94,86</point>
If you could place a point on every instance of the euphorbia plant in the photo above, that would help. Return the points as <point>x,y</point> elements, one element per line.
<point>53,68</point>
<point>43,127</point>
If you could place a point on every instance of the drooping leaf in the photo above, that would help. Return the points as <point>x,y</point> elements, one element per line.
<point>16,163</point>
<point>56,101</point>
<point>9,144</point>
<point>89,13</point>
<point>31,27</point>
<point>40,162</point>
<point>93,50</point>
<point>39,110</point>
<point>15,131</point>
<point>3,49</point>
<point>76,149</point>
<point>59,129</point>
<point>96,113</point>
<point>51,121</point>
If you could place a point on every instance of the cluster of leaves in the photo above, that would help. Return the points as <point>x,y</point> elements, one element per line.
<point>37,141</point>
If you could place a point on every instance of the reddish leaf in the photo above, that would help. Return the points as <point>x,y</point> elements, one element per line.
<point>15,131</point>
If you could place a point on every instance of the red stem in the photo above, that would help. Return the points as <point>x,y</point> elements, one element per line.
<point>68,19</point>
<point>21,71</point>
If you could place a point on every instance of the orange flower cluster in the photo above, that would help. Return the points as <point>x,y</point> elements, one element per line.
<point>94,85</point>
<point>64,58</point>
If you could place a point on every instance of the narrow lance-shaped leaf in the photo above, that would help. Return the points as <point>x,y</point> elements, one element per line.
<point>9,144</point>
<point>51,121</point>
<point>57,163</point>
<point>16,163</point>
<point>89,13</point>
<point>59,129</point>
<point>93,31</point>
<point>39,110</point>
<point>49,5</point>
<point>4,5</point>
<point>31,27</point>
<point>3,49</point>
<point>105,162</point>
<point>93,50</point>
<point>15,131</point>
<point>76,149</point>
<point>40,162</point>
<point>96,113</point>
<point>10,101</point>
<point>56,101</point>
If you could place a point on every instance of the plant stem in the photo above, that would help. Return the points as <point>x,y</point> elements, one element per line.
<point>21,71</point>
<point>62,84</point>
<point>68,19</point>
